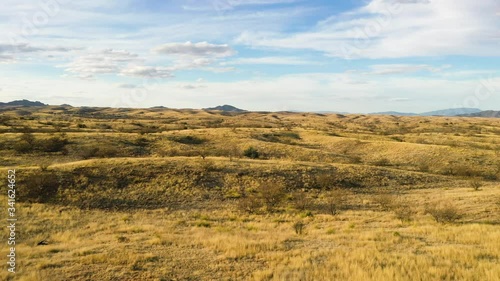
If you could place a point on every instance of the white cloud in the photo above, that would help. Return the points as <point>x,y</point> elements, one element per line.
<point>27,48</point>
<point>122,62</point>
<point>107,61</point>
<point>11,53</point>
<point>200,49</point>
<point>147,71</point>
<point>388,29</point>
<point>200,55</point>
<point>127,86</point>
<point>6,58</point>
<point>18,48</point>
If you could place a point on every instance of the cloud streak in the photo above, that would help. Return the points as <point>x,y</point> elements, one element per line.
<point>200,49</point>
<point>271,61</point>
<point>383,29</point>
<point>387,69</point>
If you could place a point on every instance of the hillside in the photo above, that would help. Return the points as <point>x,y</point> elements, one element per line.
<point>185,194</point>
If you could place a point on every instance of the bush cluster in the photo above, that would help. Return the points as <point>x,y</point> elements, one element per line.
<point>28,143</point>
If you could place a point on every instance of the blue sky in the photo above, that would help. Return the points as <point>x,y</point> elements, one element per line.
<point>352,55</point>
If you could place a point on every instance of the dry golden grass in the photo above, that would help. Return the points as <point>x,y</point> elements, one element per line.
<point>160,198</point>
<point>221,243</point>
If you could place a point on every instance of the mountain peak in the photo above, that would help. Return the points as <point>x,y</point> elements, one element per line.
<point>226,107</point>
<point>23,102</point>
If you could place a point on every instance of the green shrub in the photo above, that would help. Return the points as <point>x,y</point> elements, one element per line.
<point>40,187</point>
<point>26,143</point>
<point>382,162</point>
<point>188,140</point>
<point>23,147</point>
<point>291,135</point>
<point>94,151</point>
<point>251,153</point>
<point>52,144</point>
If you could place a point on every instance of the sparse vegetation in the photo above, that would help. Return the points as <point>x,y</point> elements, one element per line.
<point>404,212</point>
<point>385,201</point>
<point>252,196</point>
<point>446,213</point>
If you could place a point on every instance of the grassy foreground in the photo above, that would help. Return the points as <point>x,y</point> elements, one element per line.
<point>159,194</point>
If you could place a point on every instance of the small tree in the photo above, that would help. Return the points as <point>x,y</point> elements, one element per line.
<point>249,204</point>
<point>335,201</point>
<point>301,201</point>
<point>476,184</point>
<point>299,227</point>
<point>272,193</point>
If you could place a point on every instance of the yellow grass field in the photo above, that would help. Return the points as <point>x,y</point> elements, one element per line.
<point>164,194</point>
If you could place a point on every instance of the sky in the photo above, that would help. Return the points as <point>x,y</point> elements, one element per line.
<point>275,55</point>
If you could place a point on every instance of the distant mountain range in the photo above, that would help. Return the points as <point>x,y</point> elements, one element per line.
<point>465,112</point>
<point>443,112</point>
<point>394,113</point>
<point>487,113</point>
<point>22,103</point>
<point>226,107</point>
